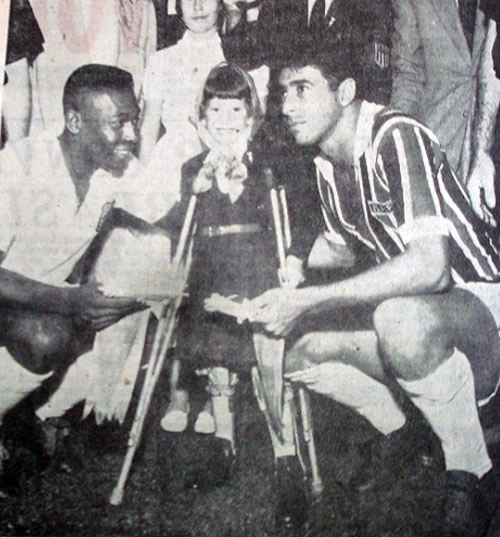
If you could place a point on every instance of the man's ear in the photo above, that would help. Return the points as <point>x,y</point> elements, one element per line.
<point>73,121</point>
<point>346,91</point>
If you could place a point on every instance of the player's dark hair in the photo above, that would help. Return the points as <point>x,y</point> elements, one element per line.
<point>94,77</point>
<point>336,58</point>
<point>228,81</point>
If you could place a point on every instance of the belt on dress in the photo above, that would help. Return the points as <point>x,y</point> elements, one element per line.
<point>218,231</point>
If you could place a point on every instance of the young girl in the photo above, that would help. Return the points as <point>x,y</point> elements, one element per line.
<point>234,250</point>
<point>173,81</point>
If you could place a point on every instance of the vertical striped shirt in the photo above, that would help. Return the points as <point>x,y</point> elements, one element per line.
<point>401,188</point>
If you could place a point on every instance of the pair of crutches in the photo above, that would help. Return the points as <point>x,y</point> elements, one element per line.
<point>283,240</point>
<point>161,343</point>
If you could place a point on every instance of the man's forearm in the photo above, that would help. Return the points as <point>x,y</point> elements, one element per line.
<point>18,290</point>
<point>488,99</point>
<point>421,269</point>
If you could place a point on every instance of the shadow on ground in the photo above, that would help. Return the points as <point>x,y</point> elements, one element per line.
<point>46,500</point>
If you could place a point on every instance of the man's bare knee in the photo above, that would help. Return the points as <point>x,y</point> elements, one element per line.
<point>39,342</point>
<point>411,338</point>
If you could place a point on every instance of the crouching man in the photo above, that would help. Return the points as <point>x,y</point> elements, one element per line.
<point>55,192</point>
<point>386,187</point>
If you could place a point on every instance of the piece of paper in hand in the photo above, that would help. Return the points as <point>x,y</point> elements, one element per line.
<point>227,305</point>
<point>135,265</point>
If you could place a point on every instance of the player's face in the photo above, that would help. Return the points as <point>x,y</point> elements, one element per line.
<point>310,106</point>
<point>200,16</point>
<point>226,119</point>
<point>109,129</point>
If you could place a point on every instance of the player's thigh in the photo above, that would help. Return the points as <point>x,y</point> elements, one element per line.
<point>476,332</point>
<point>457,319</point>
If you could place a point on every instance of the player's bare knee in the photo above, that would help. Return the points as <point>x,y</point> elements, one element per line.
<point>39,342</point>
<point>407,334</point>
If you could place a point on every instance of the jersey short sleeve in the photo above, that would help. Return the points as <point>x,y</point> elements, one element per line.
<point>408,167</point>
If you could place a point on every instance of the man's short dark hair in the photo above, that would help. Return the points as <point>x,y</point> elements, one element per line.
<point>337,57</point>
<point>94,77</point>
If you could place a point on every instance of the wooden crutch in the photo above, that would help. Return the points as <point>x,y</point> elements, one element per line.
<point>161,343</point>
<point>283,238</point>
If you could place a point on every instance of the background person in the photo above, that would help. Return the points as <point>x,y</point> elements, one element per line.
<point>442,62</point>
<point>77,32</point>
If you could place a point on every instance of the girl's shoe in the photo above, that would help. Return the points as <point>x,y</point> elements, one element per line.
<point>175,419</point>
<point>205,423</point>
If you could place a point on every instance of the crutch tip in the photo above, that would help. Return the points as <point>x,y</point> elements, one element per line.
<point>116,497</point>
<point>317,488</point>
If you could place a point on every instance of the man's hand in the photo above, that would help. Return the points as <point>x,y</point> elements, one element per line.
<point>279,309</point>
<point>310,376</point>
<point>97,311</point>
<point>481,188</point>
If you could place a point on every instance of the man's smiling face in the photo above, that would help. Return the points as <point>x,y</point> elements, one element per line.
<point>309,104</point>
<point>109,129</point>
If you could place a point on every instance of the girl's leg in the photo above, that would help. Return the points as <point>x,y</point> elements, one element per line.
<point>221,386</point>
<point>175,419</point>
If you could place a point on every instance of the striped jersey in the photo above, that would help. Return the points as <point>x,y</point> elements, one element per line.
<point>401,188</point>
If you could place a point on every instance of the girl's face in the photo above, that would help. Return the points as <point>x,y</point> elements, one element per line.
<point>200,16</point>
<point>226,119</point>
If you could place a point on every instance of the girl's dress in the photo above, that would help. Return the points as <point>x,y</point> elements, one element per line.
<point>233,254</point>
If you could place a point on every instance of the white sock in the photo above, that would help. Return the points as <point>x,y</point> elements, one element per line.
<point>74,388</point>
<point>369,397</point>
<point>221,386</point>
<point>224,418</point>
<point>446,398</point>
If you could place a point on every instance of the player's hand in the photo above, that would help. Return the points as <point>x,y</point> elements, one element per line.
<point>97,311</point>
<point>293,275</point>
<point>322,378</point>
<point>278,310</point>
<point>308,376</point>
<point>481,188</point>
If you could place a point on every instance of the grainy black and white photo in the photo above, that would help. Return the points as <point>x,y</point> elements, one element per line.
<point>250,268</point>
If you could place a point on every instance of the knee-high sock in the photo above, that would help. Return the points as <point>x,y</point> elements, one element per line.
<point>447,400</point>
<point>224,418</point>
<point>369,397</point>
<point>16,382</point>
<point>221,385</point>
<point>73,389</point>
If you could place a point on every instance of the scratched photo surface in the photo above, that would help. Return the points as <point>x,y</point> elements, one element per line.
<point>249,257</point>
